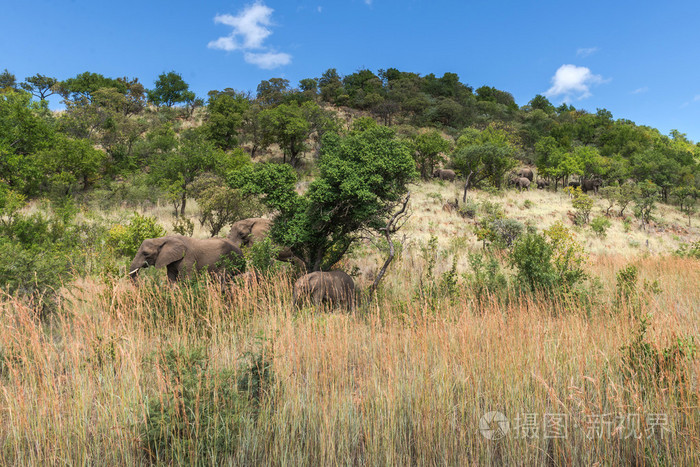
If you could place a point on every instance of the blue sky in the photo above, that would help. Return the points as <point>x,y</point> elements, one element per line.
<point>640,60</point>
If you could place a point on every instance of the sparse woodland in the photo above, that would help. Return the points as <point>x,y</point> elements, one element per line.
<point>576,302</point>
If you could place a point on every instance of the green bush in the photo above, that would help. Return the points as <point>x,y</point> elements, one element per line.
<point>689,250</point>
<point>183,226</point>
<point>552,262</point>
<point>126,240</point>
<point>500,232</point>
<point>261,255</point>
<point>486,278</point>
<point>197,418</point>
<point>582,204</point>
<point>468,208</point>
<point>600,226</point>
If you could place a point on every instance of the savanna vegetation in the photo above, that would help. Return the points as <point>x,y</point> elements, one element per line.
<point>574,312</point>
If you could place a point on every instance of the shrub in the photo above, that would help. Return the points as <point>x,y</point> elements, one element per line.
<point>197,418</point>
<point>691,250</point>
<point>645,201</point>
<point>486,278</point>
<point>183,226</point>
<point>220,205</point>
<point>528,204</point>
<point>126,240</point>
<point>552,262</point>
<point>582,204</point>
<point>260,256</point>
<point>600,225</point>
<point>500,232</point>
<point>468,209</point>
<point>652,367</point>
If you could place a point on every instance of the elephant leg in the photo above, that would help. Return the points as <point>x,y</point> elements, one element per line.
<point>173,273</point>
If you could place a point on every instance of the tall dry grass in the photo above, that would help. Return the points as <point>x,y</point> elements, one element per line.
<point>403,380</point>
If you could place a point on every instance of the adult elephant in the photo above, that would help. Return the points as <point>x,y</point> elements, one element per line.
<point>527,173</point>
<point>445,174</point>
<point>593,184</point>
<point>574,184</point>
<point>334,287</point>
<point>520,182</point>
<point>246,232</point>
<point>184,255</point>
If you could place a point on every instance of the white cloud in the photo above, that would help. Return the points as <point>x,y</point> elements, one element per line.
<point>586,51</point>
<point>641,90</point>
<point>268,60</point>
<point>251,27</point>
<point>573,81</point>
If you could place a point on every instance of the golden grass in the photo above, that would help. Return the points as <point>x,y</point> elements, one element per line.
<point>404,380</point>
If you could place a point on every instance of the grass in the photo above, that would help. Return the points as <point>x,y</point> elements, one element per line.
<point>404,380</point>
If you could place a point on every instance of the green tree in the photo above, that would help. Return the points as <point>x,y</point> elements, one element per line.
<point>645,201</point>
<point>194,155</point>
<point>288,126</point>
<point>363,177</point>
<point>273,92</point>
<point>40,86</point>
<point>71,164</point>
<point>170,89</point>
<point>8,81</point>
<point>225,111</point>
<point>84,86</point>
<point>429,148</point>
<point>26,128</point>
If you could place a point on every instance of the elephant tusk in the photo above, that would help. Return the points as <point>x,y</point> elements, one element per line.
<point>134,271</point>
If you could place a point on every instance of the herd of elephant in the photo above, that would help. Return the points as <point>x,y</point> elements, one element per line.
<point>523,178</point>
<point>183,256</point>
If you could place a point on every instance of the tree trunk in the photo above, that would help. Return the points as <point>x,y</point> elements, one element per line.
<point>183,202</point>
<point>466,186</point>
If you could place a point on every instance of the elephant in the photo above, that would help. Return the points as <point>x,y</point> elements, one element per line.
<point>444,174</point>
<point>574,184</point>
<point>335,287</point>
<point>183,255</point>
<point>593,184</point>
<point>527,173</point>
<point>520,182</point>
<point>542,184</point>
<point>248,231</point>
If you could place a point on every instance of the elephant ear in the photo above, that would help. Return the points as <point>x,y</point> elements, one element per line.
<point>171,251</point>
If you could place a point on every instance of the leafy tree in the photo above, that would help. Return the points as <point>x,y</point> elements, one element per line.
<point>288,126</point>
<point>40,86</point>
<point>539,102</point>
<point>330,86</point>
<point>194,155</point>
<point>428,148</point>
<point>170,89</point>
<point>84,86</point>
<point>8,81</point>
<point>225,111</point>
<point>26,128</point>
<point>484,155</point>
<point>69,164</point>
<point>253,130</point>
<point>645,201</point>
<point>309,88</point>
<point>221,205</point>
<point>362,179</point>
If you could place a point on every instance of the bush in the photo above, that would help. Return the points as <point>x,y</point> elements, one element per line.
<point>221,205</point>
<point>552,262</point>
<point>468,209</point>
<point>500,232</point>
<point>183,226</point>
<point>582,204</point>
<point>600,225</point>
<point>691,250</point>
<point>197,417</point>
<point>486,278</point>
<point>126,240</point>
<point>261,255</point>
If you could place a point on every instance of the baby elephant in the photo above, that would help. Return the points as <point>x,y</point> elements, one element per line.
<point>334,287</point>
<point>520,182</point>
<point>444,174</point>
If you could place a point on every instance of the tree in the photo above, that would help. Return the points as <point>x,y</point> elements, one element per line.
<point>84,86</point>
<point>220,205</point>
<point>288,127</point>
<point>69,164</point>
<point>26,128</point>
<point>8,81</point>
<point>273,92</point>
<point>225,111</point>
<point>645,201</point>
<point>170,89</point>
<point>175,170</point>
<point>429,147</point>
<point>363,178</point>
<point>484,155</point>
<point>40,86</point>
<point>330,85</point>
<point>539,102</point>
